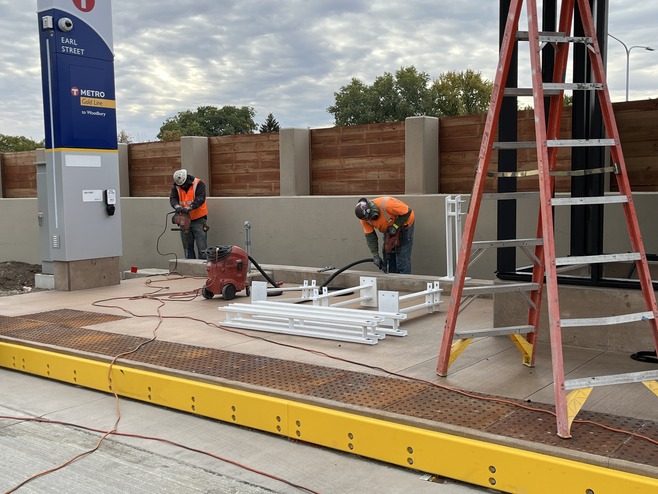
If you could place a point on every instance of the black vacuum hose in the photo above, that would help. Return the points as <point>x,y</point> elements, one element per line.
<point>367,259</point>
<point>645,356</point>
<point>267,276</point>
<point>274,284</point>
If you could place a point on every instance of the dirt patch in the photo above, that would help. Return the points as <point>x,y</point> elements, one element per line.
<point>17,277</point>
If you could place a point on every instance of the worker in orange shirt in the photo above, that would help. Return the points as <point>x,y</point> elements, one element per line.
<point>188,196</point>
<point>395,220</point>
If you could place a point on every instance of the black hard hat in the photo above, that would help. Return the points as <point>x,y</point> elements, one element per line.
<point>362,209</point>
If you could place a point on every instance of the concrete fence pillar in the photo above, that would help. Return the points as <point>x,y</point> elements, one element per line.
<point>421,155</point>
<point>124,169</point>
<point>295,162</point>
<point>195,158</point>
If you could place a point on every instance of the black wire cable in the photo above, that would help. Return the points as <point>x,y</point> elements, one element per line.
<point>157,244</point>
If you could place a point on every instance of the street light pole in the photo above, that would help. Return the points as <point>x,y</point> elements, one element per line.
<point>628,57</point>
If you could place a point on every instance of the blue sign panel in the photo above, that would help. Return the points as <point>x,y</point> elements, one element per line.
<point>78,83</point>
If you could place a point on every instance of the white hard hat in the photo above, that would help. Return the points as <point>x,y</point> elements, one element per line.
<point>180,176</point>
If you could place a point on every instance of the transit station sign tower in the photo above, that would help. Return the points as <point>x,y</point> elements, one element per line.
<point>78,185</point>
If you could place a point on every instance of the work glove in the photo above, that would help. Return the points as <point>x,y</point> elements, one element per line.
<point>178,208</point>
<point>379,262</point>
<point>186,210</point>
<point>392,230</point>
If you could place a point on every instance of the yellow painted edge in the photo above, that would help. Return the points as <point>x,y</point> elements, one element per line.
<point>477,462</point>
<point>652,385</point>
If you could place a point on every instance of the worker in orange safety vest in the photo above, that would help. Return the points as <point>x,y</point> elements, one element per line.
<point>395,220</point>
<point>188,196</point>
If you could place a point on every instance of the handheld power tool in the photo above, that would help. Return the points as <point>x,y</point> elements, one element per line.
<point>391,247</point>
<point>183,221</point>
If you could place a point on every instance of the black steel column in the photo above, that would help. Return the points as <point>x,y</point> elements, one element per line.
<point>507,131</point>
<point>587,123</point>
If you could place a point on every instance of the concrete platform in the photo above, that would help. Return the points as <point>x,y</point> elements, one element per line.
<point>166,308</point>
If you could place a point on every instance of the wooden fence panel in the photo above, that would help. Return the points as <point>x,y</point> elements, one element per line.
<point>152,165</point>
<point>459,148</point>
<point>362,159</point>
<point>244,165</point>
<point>19,174</point>
<point>637,122</point>
<point>358,160</point>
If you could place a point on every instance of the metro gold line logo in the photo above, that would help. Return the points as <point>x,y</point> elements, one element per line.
<point>90,97</point>
<point>98,102</point>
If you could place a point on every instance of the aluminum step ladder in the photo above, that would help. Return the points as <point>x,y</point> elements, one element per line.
<point>569,395</point>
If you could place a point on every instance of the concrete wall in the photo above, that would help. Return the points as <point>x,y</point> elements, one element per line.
<point>19,225</point>
<point>303,231</point>
<point>310,231</point>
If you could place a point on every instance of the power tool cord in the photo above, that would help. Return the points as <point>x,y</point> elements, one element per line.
<point>157,243</point>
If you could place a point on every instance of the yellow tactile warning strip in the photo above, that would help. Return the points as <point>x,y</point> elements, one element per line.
<point>386,395</point>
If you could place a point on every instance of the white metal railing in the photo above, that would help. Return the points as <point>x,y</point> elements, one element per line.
<point>302,320</point>
<point>367,294</point>
<point>389,301</point>
<point>389,312</point>
<point>454,215</point>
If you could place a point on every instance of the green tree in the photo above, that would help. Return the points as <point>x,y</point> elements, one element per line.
<point>270,125</point>
<point>12,144</point>
<point>208,121</point>
<point>354,104</point>
<point>407,93</point>
<point>460,93</point>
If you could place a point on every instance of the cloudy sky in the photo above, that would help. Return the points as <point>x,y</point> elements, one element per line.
<point>286,57</point>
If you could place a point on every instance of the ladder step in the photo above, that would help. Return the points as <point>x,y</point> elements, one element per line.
<point>561,38</point>
<point>517,242</point>
<point>554,37</point>
<point>576,143</point>
<point>502,331</point>
<point>553,88</point>
<point>571,86</point>
<point>500,288</point>
<point>606,321</point>
<point>523,35</point>
<point>554,143</point>
<point>592,382</point>
<point>572,260</point>
<point>583,201</point>
<point>522,173</point>
<point>509,196</point>
<point>527,91</point>
<point>514,145</point>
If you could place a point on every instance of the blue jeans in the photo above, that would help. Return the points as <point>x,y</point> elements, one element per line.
<point>195,234</point>
<point>400,262</point>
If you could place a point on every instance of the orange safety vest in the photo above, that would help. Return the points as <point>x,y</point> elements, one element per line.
<point>185,200</point>
<point>389,209</point>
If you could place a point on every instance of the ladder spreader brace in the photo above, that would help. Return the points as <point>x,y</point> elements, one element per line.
<point>545,263</point>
